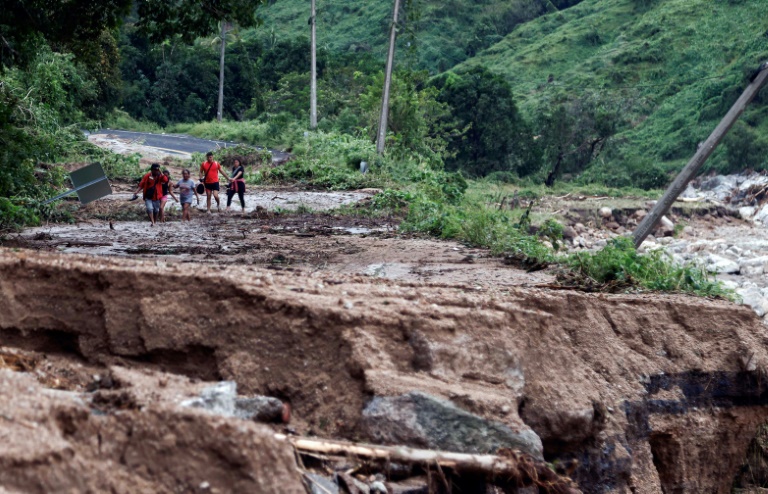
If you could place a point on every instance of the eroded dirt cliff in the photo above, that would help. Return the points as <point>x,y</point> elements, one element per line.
<point>626,392</point>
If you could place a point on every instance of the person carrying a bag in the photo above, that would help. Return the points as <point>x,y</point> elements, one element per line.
<point>209,176</point>
<point>236,184</point>
<point>151,186</point>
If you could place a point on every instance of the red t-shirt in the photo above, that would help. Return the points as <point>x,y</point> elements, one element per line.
<point>213,175</point>
<point>148,182</point>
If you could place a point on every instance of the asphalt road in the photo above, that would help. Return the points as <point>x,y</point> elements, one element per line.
<point>182,143</point>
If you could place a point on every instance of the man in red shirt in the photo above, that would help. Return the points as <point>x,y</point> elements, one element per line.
<point>151,186</point>
<point>209,175</point>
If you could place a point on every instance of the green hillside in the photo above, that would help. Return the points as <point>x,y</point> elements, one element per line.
<point>444,32</point>
<point>672,68</point>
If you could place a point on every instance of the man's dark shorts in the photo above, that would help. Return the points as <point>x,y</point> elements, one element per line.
<point>212,186</point>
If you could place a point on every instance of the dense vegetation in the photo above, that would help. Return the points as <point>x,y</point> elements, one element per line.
<point>659,74</point>
<point>572,94</point>
<point>59,72</point>
<point>436,34</point>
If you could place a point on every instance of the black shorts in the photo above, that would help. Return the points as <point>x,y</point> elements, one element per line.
<point>212,186</point>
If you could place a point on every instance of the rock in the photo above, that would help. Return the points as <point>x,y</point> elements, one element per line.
<point>640,214</point>
<point>569,233</point>
<point>734,251</point>
<point>420,420</point>
<point>221,399</point>
<point>689,192</point>
<point>753,267</point>
<point>580,228</point>
<point>378,487</point>
<point>721,186</point>
<point>747,212</point>
<point>260,408</point>
<point>731,285</point>
<point>321,485</point>
<point>666,227</point>
<point>753,297</point>
<point>761,215</point>
<point>718,264</point>
<point>605,212</point>
<point>218,399</point>
<point>612,225</point>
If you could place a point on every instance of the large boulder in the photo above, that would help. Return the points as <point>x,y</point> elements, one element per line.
<point>718,265</point>
<point>753,267</point>
<point>753,297</point>
<point>420,420</point>
<point>762,215</point>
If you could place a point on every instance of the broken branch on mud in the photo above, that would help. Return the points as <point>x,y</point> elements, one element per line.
<point>507,469</point>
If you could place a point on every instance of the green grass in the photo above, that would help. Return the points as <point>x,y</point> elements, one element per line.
<point>118,119</point>
<point>674,67</point>
<point>440,33</point>
<point>271,132</point>
<point>618,266</point>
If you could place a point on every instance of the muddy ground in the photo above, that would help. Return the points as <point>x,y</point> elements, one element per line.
<point>277,237</point>
<point>110,324</point>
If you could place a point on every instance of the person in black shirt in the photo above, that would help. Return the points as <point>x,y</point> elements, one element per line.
<point>236,184</point>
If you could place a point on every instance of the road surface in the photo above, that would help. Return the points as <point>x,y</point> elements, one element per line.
<point>180,144</point>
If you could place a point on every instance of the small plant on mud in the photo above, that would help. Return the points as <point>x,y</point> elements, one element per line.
<point>392,199</point>
<point>618,266</point>
<point>304,209</point>
<point>552,230</point>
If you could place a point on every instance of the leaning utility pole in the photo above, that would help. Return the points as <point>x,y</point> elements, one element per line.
<point>313,83</point>
<point>382,136</point>
<point>220,112</point>
<point>651,221</point>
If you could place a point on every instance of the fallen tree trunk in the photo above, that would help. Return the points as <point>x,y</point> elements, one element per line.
<point>507,469</point>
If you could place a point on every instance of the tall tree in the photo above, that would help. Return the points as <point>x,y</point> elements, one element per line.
<point>382,136</point>
<point>192,19</point>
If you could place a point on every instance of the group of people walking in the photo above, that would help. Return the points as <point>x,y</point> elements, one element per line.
<point>156,188</point>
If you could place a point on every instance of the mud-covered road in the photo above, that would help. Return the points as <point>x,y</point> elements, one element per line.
<point>158,146</point>
<point>295,242</point>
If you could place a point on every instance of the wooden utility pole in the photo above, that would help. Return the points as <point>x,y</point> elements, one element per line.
<point>651,221</point>
<point>313,83</point>
<point>382,136</point>
<point>220,111</point>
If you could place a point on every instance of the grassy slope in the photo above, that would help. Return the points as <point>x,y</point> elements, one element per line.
<point>676,65</point>
<point>448,30</point>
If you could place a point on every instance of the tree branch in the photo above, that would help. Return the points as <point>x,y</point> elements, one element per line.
<point>509,468</point>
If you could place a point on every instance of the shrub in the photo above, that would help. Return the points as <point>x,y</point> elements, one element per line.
<point>619,266</point>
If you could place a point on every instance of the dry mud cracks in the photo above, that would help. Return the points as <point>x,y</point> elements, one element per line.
<point>626,393</point>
